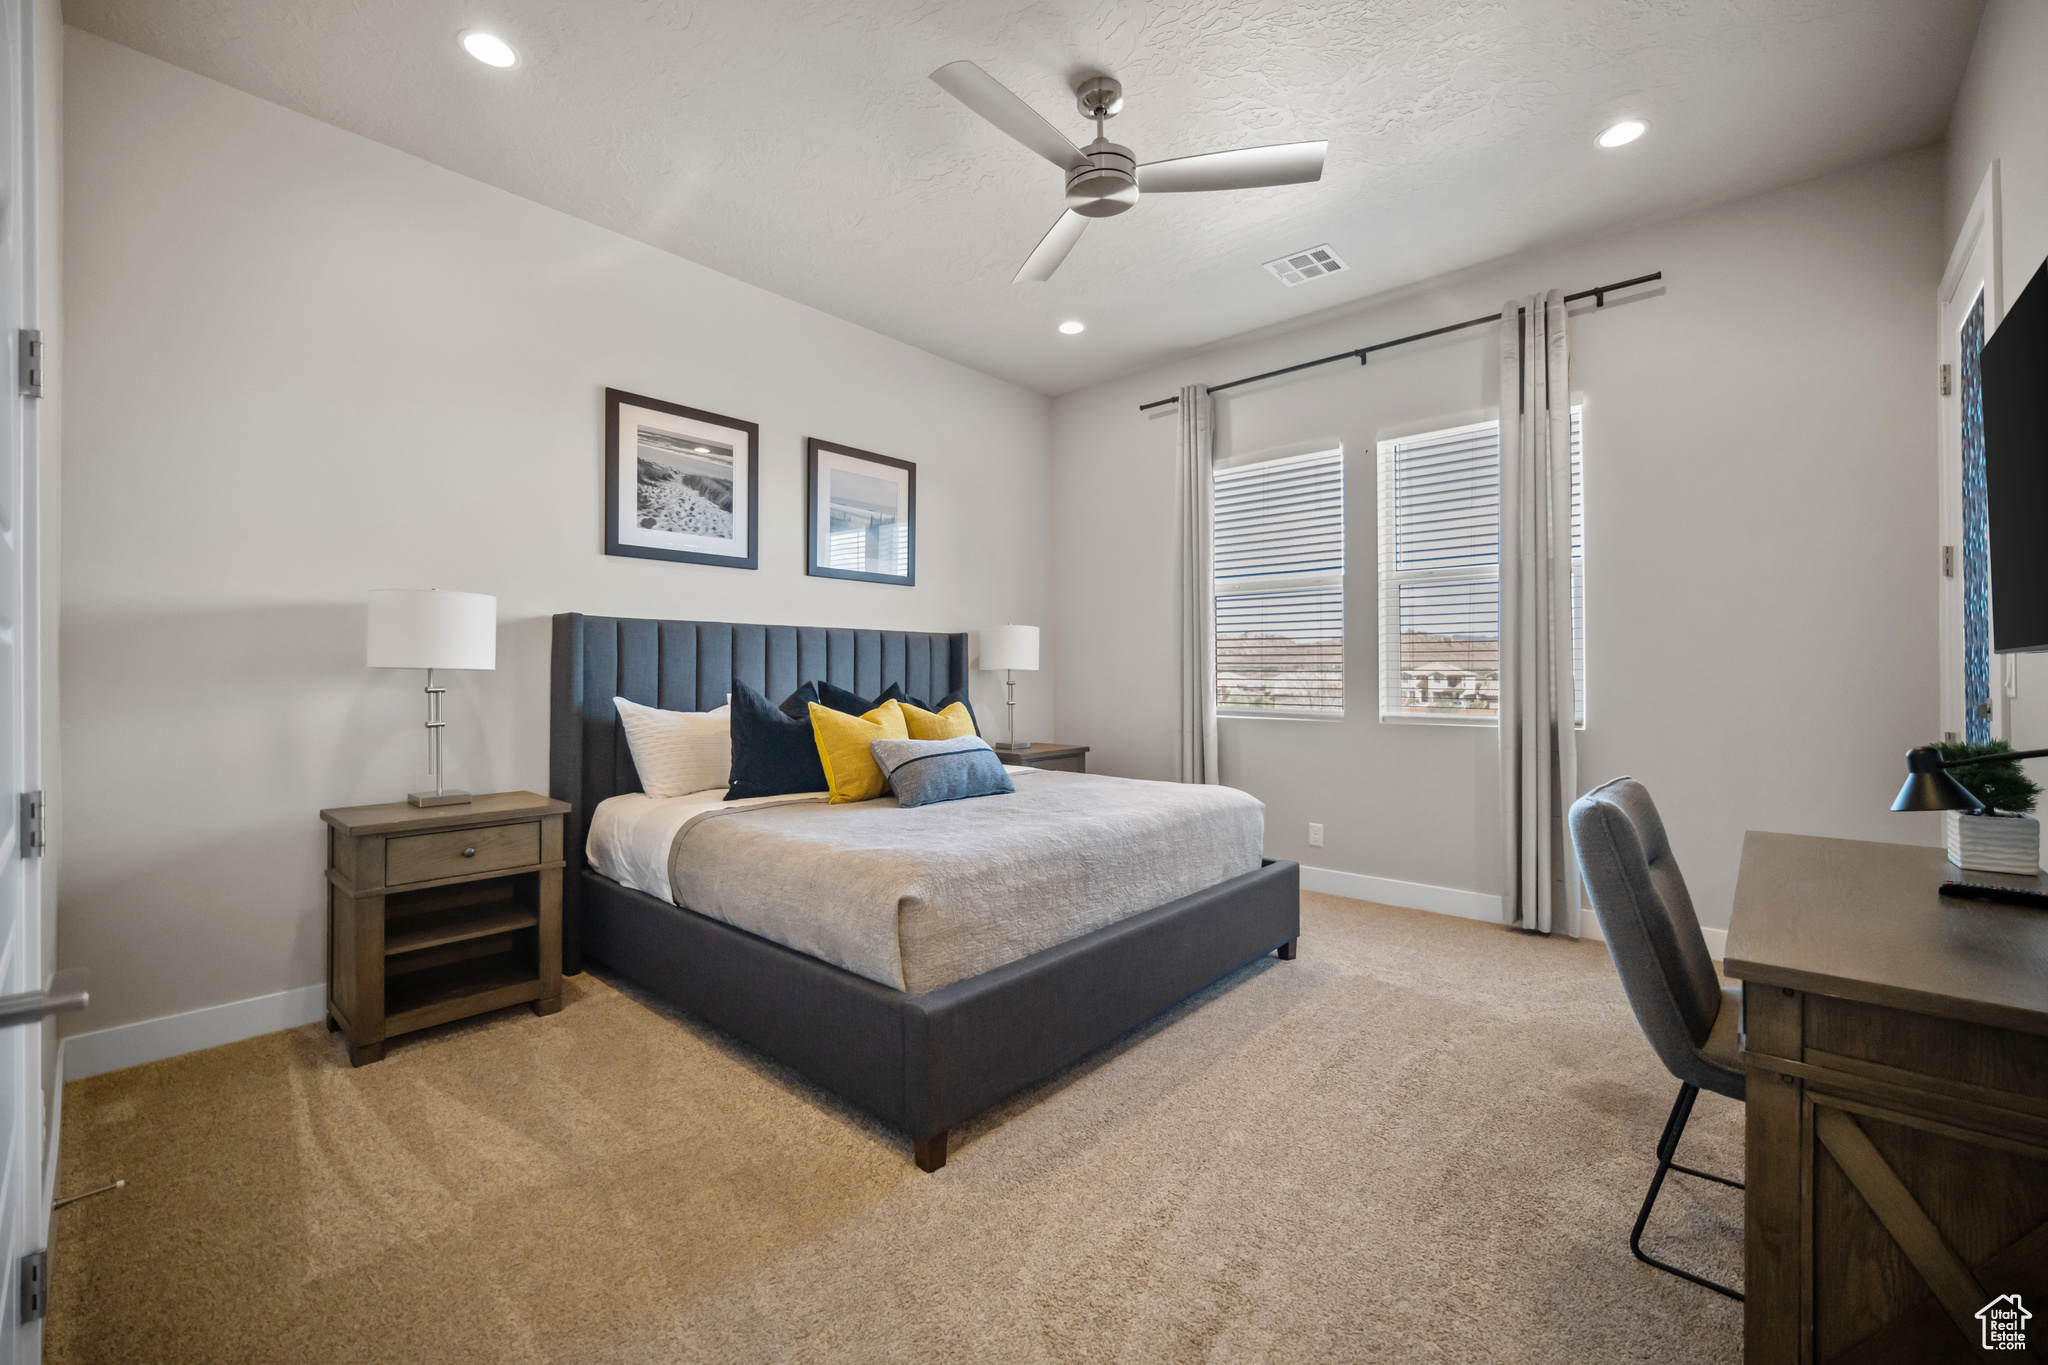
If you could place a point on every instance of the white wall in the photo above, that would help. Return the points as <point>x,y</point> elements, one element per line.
<point>1759,437</point>
<point>2001,114</point>
<point>303,365</point>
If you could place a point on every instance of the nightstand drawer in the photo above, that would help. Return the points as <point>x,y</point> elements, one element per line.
<point>460,853</point>
<point>1076,764</point>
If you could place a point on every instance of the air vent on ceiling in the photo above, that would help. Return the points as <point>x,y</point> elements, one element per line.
<point>1303,266</point>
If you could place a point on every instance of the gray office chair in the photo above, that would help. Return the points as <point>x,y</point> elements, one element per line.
<point>1654,935</point>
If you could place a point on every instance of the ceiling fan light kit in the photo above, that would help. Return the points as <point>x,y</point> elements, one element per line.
<point>1105,178</point>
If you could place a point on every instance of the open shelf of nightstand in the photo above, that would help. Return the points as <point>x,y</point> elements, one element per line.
<point>454,990</point>
<point>435,928</point>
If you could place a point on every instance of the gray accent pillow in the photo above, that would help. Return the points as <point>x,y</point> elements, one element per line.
<point>922,771</point>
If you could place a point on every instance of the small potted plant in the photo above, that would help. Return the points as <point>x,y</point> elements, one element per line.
<point>2004,838</point>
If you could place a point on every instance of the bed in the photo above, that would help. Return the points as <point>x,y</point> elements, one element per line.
<point>919,1056</point>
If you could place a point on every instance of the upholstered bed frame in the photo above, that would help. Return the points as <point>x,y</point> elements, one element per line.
<point>920,1063</point>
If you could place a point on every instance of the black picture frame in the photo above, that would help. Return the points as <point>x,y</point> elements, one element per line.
<point>814,548</point>
<point>633,542</point>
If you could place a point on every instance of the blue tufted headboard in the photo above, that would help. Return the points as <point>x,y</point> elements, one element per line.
<point>689,666</point>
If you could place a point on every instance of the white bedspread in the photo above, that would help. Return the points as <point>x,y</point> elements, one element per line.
<point>630,835</point>
<point>917,899</point>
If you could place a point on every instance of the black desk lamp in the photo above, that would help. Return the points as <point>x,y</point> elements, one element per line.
<point>1929,787</point>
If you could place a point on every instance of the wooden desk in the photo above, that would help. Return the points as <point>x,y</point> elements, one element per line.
<point>1897,1048</point>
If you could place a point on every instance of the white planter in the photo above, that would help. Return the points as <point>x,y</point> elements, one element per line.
<point>1993,843</point>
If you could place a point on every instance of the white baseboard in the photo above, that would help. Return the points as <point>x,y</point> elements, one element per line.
<point>1442,900</point>
<point>152,1040</point>
<point>1446,900</point>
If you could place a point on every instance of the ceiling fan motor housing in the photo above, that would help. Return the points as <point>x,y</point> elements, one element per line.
<point>1107,185</point>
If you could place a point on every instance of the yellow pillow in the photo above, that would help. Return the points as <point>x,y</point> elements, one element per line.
<point>951,723</point>
<point>850,768</point>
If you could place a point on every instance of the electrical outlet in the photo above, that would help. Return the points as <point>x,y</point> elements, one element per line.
<point>1315,836</point>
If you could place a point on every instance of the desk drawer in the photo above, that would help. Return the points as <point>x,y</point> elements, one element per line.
<point>460,853</point>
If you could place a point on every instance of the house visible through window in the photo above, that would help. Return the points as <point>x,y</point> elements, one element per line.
<point>1440,576</point>
<point>1280,586</point>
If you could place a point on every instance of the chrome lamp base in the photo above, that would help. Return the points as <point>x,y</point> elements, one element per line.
<point>1012,744</point>
<point>439,796</point>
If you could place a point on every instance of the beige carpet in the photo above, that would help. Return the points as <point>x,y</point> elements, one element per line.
<point>1422,1141</point>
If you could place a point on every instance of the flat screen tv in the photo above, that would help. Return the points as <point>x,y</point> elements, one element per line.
<point>2015,377</point>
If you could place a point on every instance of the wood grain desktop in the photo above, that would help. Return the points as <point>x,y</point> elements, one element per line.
<point>1897,1049</point>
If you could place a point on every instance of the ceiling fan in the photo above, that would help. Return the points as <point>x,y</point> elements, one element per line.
<point>1104,179</point>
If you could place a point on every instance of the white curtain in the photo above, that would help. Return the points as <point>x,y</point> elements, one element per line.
<point>1196,507</point>
<point>1538,757</point>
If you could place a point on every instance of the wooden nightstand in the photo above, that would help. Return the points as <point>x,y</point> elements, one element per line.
<point>441,912</point>
<point>1066,758</point>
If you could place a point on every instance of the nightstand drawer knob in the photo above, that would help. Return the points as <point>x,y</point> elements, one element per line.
<point>469,853</point>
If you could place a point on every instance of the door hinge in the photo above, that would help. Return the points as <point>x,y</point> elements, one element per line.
<point>1948,561</point>
<point>31,344</point>
<point>35,1291</point>
<point>1944,381</point>
<point>32,841</point>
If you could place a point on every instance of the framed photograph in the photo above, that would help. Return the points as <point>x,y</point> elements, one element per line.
<point>862,514</point>
<point>680,484</point>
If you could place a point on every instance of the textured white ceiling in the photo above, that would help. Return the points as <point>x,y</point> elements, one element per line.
<point>798,145</point>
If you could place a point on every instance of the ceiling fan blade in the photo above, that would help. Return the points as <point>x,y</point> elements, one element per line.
<point>1052,249</point>
<point>993,100</point>
<point>1247,168</point>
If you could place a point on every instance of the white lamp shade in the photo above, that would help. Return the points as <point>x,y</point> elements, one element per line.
<point>1009,647</point>
<point>428,628</point>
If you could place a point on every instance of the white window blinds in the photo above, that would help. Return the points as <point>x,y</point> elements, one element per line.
<point>1280,586</point>
<point>1440,575</point>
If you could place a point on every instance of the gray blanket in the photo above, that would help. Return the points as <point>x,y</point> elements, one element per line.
<point>919,898</point>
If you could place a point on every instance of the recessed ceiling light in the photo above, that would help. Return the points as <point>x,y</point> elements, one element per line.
<point>489,49</point>
<point>1624,132</point>
<point>1073,328</point>
<point>701,450</point>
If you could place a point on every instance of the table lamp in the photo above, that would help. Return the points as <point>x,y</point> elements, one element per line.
<point>1009,649</point>
<point>428,628</point>
<point>1929,787</point>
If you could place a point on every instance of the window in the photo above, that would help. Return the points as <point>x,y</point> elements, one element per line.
<point>1976,536</point>
<point>1440,576</point>
<point>1280,586</point>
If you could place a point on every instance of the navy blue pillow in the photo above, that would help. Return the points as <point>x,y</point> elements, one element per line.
<point>797,704</point>
<point>772,754</point>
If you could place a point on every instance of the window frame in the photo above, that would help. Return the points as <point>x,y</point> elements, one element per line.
<point>1391,581</point>
<point>1286,582</point>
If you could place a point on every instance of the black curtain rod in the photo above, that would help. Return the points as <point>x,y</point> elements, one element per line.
<point>1598,293</point>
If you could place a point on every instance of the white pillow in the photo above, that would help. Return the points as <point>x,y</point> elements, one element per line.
<point>678,752</point>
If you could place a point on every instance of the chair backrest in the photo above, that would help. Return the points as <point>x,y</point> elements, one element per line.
<point>1647,918</point>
